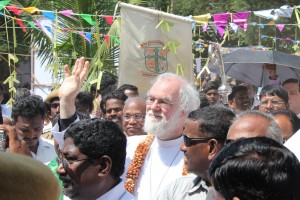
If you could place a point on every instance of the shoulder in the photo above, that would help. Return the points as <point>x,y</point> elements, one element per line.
<point>177,188</point>
<point>127,196</point>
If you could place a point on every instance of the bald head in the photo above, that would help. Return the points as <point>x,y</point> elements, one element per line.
<point>254,124</point>
<point>25,178</point>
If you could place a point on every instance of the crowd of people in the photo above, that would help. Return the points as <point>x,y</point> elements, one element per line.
<point>176,143</point>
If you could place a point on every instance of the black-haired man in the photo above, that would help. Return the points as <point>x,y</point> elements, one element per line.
<point>28,114</point>
<point>92,160</point>
<point>204,134</point>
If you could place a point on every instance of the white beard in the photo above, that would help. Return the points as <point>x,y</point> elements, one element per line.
<point>162,127</point>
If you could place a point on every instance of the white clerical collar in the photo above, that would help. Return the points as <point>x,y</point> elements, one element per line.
<point>169,143</point>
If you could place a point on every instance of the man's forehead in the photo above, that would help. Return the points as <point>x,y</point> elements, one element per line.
<point>212,91</point>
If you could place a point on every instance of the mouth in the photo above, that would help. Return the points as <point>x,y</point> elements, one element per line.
<point>115,119</point>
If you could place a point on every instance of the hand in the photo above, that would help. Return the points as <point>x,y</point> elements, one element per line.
<point>15,145</point>
<point>71,87</point>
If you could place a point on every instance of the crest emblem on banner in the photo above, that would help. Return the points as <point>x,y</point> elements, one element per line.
<point>155,58</point>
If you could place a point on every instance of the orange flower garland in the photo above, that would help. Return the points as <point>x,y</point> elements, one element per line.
<point>137,162</point>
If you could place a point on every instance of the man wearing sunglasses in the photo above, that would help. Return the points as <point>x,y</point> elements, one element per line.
<point>92,160</point>
<point>204,134</point>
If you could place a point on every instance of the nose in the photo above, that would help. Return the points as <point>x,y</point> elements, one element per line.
<point>154,106</point>
<point>57,109</point>
<point>269,105</point>
<point>132,120</point>
<point>183,147</point>
<point>60,169</point>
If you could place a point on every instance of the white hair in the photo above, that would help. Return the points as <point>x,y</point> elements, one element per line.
<point>188,95</point>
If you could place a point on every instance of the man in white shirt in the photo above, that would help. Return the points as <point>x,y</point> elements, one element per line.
<point>293,144</point>
<point>204,134</point>
<point>157,160</point>
<point>28,114</point>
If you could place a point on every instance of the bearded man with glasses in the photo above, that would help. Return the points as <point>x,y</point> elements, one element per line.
<point>204,134</point>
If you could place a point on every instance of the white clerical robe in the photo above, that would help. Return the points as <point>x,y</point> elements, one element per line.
<point>163,164</point>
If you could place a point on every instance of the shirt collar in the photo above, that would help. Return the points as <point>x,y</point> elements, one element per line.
<point>199,184</point>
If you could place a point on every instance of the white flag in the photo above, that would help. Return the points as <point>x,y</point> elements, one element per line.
<point>142,56</point>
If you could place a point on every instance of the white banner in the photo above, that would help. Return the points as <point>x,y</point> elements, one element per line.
<point>142,56</point>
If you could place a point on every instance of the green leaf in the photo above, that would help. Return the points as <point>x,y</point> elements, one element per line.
<point>165,25</point>
<point>180,69</point>
<point>171,46</point>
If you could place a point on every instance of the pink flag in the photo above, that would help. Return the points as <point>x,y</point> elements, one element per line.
<point>84,36</point>
<point>109,19</point>
<point>280,27</point>
<point>240,19</point>
<point>67,13</point>
<point>221,21</point>
<point>204,27</point>
<point>14,9</point>
<point>20,22</point>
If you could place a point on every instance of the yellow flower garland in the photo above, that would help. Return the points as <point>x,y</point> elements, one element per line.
<point>137,162</point>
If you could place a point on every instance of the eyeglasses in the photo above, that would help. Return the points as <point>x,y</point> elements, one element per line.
<point>192,141</point>
<point>65,163</point>
<point>137,117</point>
<point>55,105</point>
<point>162,103</point>
<point>273,103</point>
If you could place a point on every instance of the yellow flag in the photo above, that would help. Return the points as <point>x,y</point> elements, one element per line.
<point>31,10</point>
<point>202,19</point>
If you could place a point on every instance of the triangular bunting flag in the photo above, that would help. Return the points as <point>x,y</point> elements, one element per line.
<point>3,4</point>
<point>109,19</point>
<point>87,18</point>
<point>204,27</point>
<point>115,38</point>
<point>203,19</point>
<point>32,24</point>
<point>84,36</point>
<point>67,13</point>
<point>49,14</point>
<point>20,22</point>
<point>14,9</point>
<point>30,10</point>
<point>240,19</point>
<point>221,21</point>
<point>106,37</point>
<point>280,27</point>
<point>89,36</point>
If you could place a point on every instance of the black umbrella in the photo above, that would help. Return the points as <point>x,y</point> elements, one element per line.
<point>247,66</point>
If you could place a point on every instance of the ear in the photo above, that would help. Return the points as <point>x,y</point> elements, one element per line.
<point>287,105</point>
<point>230,103</point>
<point>104,167</point>
<point>213,146</point>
